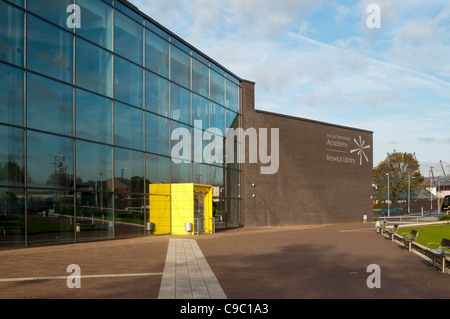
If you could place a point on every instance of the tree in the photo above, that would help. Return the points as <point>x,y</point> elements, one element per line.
<point>403,169</point>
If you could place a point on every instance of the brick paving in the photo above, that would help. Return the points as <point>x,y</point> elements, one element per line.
<point>292,262</point>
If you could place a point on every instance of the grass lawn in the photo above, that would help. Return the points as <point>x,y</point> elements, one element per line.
<point>429,234</point>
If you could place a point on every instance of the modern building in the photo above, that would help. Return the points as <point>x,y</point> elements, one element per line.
<point>91,93</point>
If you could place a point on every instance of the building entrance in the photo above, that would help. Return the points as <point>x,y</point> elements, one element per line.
<point>199,213</point>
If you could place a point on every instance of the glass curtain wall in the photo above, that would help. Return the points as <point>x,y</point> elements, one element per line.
<point>86,120</point>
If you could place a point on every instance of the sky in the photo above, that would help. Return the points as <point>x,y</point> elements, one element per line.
<point>324,60</point>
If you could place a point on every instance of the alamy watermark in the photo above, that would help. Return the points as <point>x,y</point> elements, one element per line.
<point>374,19</point>
<point>74,19</point>
<point>188,148</point>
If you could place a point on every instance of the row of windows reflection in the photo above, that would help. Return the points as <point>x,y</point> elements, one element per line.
<point>110,60</point>
<point>55,217</point>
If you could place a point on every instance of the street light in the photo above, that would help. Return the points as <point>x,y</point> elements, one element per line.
<point>388,196</point>
<point>409,192</point>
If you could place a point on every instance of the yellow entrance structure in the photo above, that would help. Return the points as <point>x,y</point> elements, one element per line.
<point>174,205</point>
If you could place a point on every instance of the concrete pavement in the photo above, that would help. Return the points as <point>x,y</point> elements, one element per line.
<point>292,262</point>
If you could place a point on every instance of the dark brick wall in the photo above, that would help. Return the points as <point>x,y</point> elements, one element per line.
<point>313,184</point>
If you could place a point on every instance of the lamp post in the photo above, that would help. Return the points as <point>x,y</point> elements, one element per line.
<point>409,193</point>
<point>388,195</point>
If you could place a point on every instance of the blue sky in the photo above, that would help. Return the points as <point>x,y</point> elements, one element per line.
<point>317,59</point>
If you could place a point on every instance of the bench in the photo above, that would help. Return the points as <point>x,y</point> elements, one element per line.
<point>412,237</point>
<point>391,232</point>
<point>440,252</point>
<point>86,223</point>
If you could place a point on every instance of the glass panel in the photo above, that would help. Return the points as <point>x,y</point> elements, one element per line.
<point>94,216</point>
<point>18,2</point>
<point>232,96</point>
<point>218,213</point>
<point>11,95</point>
<point>234,214</point>
<point>156,94</point>
<point>201,174</point>
<point>217,88</point>
<point>12,156</point>
<point>12,217</point>
<point>180,67</point>
<point>182,172</point>
<point>93,68</point>
<point>96,22</point>
<point>156,54</point>
<point>181,142</point>
<point>93,117</point>
<point>218,117</point>
<point>128,86</point>
<point>128,37</point>
<point>129,215</point>
<point>157,132</point>
<point>232,119</point>
<point>50,217</point>
<point>129,171</point>
<point>49,107</point>
<point>11,34</point>
<point>163,34</point>
<point>180,104</point>
<point>94,166</point>
<point>233,183</point>
<point>52,10</point>
<point>157,170</point>
<point>49,160</point>
<point>200,111</point>
<point>129,12</point>
<point>50,49</point>
<point>200,78</point>
<point>217,176</point>
<point>128,126</point>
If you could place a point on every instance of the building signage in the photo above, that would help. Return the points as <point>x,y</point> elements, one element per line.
<point>345,149</point>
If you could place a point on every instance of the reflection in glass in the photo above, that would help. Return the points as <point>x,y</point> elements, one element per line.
<point>50,217</point>
<point>128,37</point>
<point>181,142</point>
<point>49,160</point>
<point>129,215</point>
<point>157,169</point>
<point>218,117</point>
<point>128,126</point>
<point>128,82</point>
<point>94,216</point>
<point>231,119</point>
<point>11,95</point>
<point>96,22</point>
<point>217,88</point>
<point>156,94</point>
<point>93,68</point>
<point>234,215</point>
<point>12,217</point>
<point>49,49</point>
<point>11,34</point>
<point>232,96</point>
<point>201,174</point>
<point>128,170</point>
<point>12,160</point>
<point>156,54</point>
<point>182,172</point>
<point>157,132</point>
<point>180,107</point>
<point>50,108</point>
<point>93,117</point>
<point>200,78</point>
<point>200,111</point>
<point>94,166</point>
<point>180,67</point>
<point>51,10</point>
<point>217,176</point>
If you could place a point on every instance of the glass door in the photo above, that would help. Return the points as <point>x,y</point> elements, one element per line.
<point>199,213</point>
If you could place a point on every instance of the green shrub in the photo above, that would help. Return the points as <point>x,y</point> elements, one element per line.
<point>444,217</point>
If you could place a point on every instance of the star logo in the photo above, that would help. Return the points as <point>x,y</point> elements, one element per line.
<point>360,149</point>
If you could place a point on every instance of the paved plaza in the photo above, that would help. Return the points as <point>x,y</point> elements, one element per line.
<point>291,262</point>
